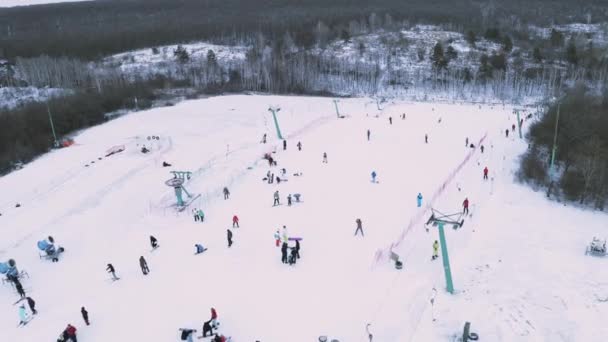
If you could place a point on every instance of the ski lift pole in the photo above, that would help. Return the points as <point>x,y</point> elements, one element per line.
<point>48,109</point>
<point>519,124</point>
<point>554,140</point>
<point>274,111</point>
<point>337,111</point>
<point>446,259</point>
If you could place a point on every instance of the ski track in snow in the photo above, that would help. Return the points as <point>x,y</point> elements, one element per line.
<point>518,264</point>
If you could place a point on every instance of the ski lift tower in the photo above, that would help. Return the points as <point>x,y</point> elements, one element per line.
<point>177,183</point>
<point>440,220</point>
<point>274,111</point>
<point>337,111</point>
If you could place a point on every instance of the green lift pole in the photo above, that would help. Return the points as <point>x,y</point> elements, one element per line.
<point>519,124</point>
<point>554,139</point>
<point>48,109</point>
<point>337,111</point>
<point>446,259</point>
<point>276,122</point>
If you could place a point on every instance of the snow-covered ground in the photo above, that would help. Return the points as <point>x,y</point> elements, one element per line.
<point>14,3</point>
<point>17,96</point>
<point>519,268</point>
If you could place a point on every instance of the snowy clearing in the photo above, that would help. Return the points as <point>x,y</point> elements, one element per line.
<point>518,262</point>
<point>14,3</point>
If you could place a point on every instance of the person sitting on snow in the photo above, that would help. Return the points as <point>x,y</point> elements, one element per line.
<point>199,248</point>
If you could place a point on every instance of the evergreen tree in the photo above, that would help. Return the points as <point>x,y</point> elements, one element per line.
<point>211,58</point>
<point>451,53</point>
<point>557,38</point>
<point>492,34</point>
<point>181,54</point>
<point>345,36</point>
<point>485,69</point>
<point>536,54</point>
<point>507,44</point>
<point>438,57</point>
<point>571,54</point>
<point>499,61</point>
<point>471,38</point>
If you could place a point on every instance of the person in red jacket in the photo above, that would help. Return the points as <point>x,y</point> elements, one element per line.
<point>214,318</point>
<point>69,334</point>
<point>465,206</point>
<point>485,173</point>
<point>235,221</point>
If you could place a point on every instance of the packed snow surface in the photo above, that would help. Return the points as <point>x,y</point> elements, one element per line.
<point>518,262</point>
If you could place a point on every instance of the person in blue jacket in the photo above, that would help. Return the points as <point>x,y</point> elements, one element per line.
<point>199,248</point>
<point>374,176</point>
<point>22,315</point>
<point>419,200</point>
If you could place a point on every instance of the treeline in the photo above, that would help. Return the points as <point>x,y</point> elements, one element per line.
<point>89,30</point>
<point>581,155</point>
<point>26,132</point>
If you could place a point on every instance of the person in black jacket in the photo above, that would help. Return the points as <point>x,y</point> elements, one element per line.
<point>284,253</point>
<point>85,315</point>
<point>153,242</point>
<point>297,249</point>
<point>112,271</point>
<point>19,289</point>
<point>229,236</point>
<point>144,265</point>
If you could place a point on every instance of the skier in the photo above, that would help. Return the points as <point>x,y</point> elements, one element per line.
<point>144,265</point>
<point>374,176</point>
<point>85,315</point>
<point>201,215</point>
<point>292,257</point>
<point>299,146</point>
<point>284,144</point>
<point>226,193</point>
<point>229,236</point>
<point>199,248</point>
<point>435,250</point>
<point>23,319</point>
<point>235,221</point>
<point>207,329</point>
<point>112,271</point>
<point>465,206</point>
<point>485,173</point>
<point>277,238</point>
<point>359,227</point>
<point>368,134</point>
<point>466,142</point>
<point>325,157</point>
<point>426,138</point>
<point>390,120</point>
<point>481,147</point>
<point>19,289</point>
<point>214,322</point>
<point>419,200</point>
<point>369,334</point>
<point>195,215</point>
<point>506,133</point>
<point>284,253</point>
<point>285,235</point>
<point>276,198</point>
<point>153,242</point>
<point>69,334</point>
<point>513,127</point>
<point>297,249</point>
<point>289,200</point>
<point>32,304</point>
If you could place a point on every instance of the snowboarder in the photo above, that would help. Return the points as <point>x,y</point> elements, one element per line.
<point>153,242</point>
<point>85,315</point>
<point>426,138</point>
<point>485,173</point>
<point>284,253</point>
<point>23,319</point>
<point>506,133</point>
<point>435,250</point>
<point>299,146</point>
<point>374,176</point>
<point>513,127</point>
<point>276,198</point>
<point>235,221</point>
<point>165,164</point>
<point>289,200</point>
<point>325,157</point>
<point>226,193</point>
<point>19,289</point>
<point>195,215</point>
<point>214,322</point>
<point>187,334</point>
<point>466,142</point>
<point>229,236</point>
<point>419,200</point>
<point>112,271</point>
<point>32,304</point>
<point>264,138</point>
<point>284,144</point>
<point>277,238</point>
<point>292,257</point>
<point>390,120</point>
<point>199,248</point>
<point>359,227</point>
<point>481,147</point>
<point>368,134</point>
<point>69,334</point>
<point>144,265</point>
<point>465,206</point>
<point>270,161</point>
<point>201,215</point>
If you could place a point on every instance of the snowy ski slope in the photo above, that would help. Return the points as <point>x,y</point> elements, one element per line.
<point>519,267</point>
<point>14,3</point>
